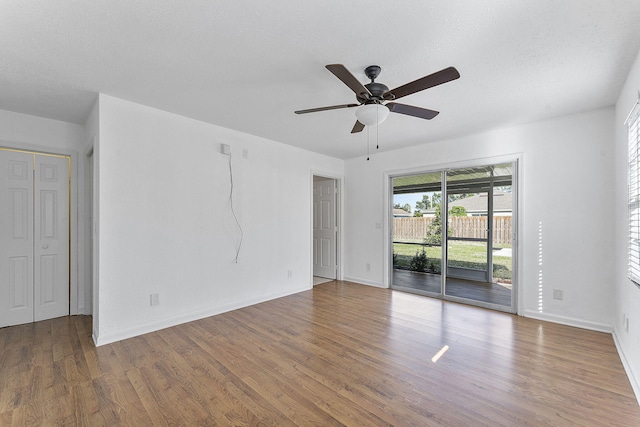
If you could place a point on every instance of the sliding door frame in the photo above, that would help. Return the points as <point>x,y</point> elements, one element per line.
<point>516,161</point>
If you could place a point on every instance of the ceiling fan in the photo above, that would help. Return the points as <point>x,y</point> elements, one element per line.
<point>371,96</point>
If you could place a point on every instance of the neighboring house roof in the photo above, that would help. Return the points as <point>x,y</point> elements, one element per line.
<point>400,212</point>
<point>478,203</point>
<point>502,202</point>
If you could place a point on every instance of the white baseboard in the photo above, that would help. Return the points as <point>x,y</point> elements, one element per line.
<point>364,282</point>
<point>633,379</point>
<point>569,321</point>
<point>184,318</point>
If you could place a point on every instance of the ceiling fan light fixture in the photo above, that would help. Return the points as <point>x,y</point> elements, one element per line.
<point>372,114</point>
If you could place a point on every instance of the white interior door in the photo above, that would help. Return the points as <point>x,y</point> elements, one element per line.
<point>51,248</point>
<point>324,229</point>
<point>16,238</point>
<point>34,237</point>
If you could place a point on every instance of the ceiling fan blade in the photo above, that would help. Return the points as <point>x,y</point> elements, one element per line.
<point>435,79</point>
<point>410,110</point>
<point>357,127</point>
<point>347,78</point>
<point>333,107</point>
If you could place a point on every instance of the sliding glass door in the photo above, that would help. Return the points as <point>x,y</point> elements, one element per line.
<point>466,217</point>
<point>417,233</point>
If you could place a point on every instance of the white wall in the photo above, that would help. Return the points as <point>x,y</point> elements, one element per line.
<point>566,180</point>
<point>627,301</point>
<point>165,224</point>
<point>35,133</point>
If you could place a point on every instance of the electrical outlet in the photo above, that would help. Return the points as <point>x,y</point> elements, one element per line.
<point>225,149</point>
<point>245,153</point>
<point>626,324</point>
<point>289,274</point>
<point>368,267</point>
<point>154,299</point>
<point>558,294</point>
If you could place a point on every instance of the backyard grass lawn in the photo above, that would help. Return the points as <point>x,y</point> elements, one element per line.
<point>461,254</point>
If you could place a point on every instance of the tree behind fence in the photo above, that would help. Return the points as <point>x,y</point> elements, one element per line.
<point>414,229</point>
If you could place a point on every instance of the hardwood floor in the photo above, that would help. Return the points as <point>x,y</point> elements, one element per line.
<point>339,354</point>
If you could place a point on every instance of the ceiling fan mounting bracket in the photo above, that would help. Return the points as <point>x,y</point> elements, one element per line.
<point>372,72</point>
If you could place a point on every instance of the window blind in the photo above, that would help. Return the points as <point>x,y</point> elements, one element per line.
<point>633,121</point>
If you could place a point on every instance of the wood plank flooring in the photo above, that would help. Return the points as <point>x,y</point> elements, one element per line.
<point>339,354</point>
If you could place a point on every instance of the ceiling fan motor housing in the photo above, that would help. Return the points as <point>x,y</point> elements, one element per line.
<point>377,90</point>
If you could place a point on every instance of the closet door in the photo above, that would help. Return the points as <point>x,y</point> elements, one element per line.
<point>34,237</point>
<point>16,238</point>
<point>51,237</point>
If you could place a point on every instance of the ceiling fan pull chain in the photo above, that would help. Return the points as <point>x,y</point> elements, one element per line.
<point>368,134</point>
<point>377,129</point>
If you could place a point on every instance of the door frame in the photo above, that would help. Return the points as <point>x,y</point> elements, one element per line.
<point>76,247</point>
<point>517,160</point>
<point>89,210</point>
<point>339,212</point>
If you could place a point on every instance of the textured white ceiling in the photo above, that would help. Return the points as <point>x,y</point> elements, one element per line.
<point>248,64</point>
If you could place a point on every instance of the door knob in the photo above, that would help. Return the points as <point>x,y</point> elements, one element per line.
<point>45,246</point>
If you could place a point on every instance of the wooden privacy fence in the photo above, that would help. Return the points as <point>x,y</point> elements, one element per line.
<point>414,229</point>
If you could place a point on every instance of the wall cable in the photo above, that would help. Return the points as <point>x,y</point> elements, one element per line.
<point>235,217</point>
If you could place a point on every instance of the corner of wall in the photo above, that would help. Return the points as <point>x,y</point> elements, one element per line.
<point>628,367</point>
